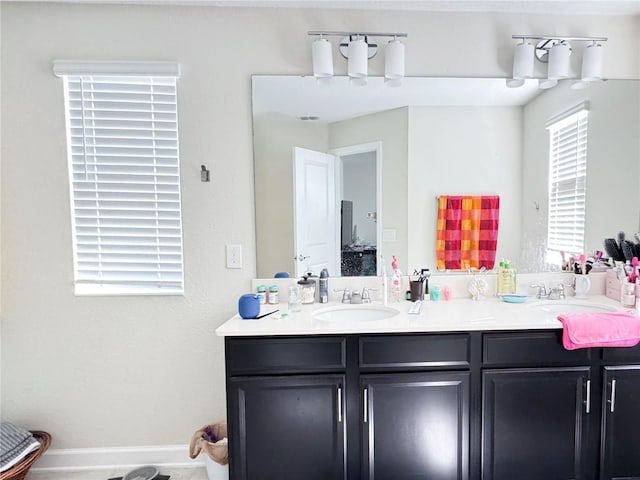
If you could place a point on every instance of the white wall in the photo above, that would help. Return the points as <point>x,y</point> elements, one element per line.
<point>127,371</point>
<point>463,151</point>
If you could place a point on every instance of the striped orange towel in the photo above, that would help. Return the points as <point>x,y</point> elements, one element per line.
<point>467,232</point>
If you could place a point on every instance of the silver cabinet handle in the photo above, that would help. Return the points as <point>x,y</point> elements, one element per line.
<point>612,402</point>
<point>365,397</point>
<point>339,404</point>
<point>588,403</point>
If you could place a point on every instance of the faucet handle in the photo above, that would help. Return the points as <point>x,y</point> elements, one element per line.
<point>366,295</point>
<point>561,288</point>
<point>542,290</point>
<point>346,294</point>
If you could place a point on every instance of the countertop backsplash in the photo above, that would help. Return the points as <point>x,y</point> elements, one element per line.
<point>458,282</point>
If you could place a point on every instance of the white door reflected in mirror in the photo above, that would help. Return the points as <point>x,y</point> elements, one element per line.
<point>315,211</point>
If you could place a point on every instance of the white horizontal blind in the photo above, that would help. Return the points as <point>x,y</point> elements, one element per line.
<point>567,182</point>
<point>125,183</point>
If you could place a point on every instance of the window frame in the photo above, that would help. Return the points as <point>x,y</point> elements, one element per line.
<point>127,281</point>
<point>567,180</point>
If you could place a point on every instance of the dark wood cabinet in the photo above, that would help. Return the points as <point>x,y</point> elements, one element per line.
<point>288,428</point>
<point>415,426</point>
<point>621,423</point>
<point>511,405</point>
<point>333,407</point>
<point>534,423</point>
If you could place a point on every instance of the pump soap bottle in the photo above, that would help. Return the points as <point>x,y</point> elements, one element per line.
<point>396,280</point>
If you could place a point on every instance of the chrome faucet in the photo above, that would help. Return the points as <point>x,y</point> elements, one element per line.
<point>354,296</point>
<point>554,293</point>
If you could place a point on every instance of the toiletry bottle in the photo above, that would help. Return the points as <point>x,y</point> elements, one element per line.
<point>262,294</point>
<point>512,279</point>
<point>323,286</point>
<point>396,281</point>
<point>507,278</point>
<point>499,283</point>
<point>273,295</point>
<point>628,299</point>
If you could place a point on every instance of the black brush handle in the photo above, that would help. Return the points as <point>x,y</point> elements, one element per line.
<point>613,250</point>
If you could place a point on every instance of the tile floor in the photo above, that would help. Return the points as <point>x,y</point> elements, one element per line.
<point>187,473</point>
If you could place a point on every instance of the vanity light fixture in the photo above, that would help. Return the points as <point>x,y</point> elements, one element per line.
<point>357,57</point>
<point>322,58</point>
<point>556,51</point>
<point>523,60</point>
<point>394,60</point>
<point>358,48</point>
<point>558,63</point>
<point>592,63</point>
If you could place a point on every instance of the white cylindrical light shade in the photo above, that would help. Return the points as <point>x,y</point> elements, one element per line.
<point>322,58</point>
<point>592,63</point>
<point>523,60</point>
<point>394,60</point>
<point>559,61</point>
<point>358,55</point>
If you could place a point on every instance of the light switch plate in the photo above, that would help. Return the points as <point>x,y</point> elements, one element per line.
<point>388,235</point>
<point>234,256</point>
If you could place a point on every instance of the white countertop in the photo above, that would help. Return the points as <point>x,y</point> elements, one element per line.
<point>441,316</point>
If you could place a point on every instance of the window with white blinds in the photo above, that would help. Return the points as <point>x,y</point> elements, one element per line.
<point>567,180</point>
<point>122,135</point>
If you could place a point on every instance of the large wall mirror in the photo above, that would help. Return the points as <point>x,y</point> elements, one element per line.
<point>344,173</point>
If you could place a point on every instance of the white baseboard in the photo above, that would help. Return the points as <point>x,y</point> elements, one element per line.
<point>116,457</point>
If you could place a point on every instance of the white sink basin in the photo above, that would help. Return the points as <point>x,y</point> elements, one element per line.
<point>354,313</point>
<point>553,307</point>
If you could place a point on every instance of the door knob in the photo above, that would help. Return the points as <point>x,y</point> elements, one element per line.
<point>301,257</point>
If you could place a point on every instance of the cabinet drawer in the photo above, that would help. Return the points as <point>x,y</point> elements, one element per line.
<point>621,354</point>
<point>531,348</point>
<point>429,351</point>
<point>285,355</point>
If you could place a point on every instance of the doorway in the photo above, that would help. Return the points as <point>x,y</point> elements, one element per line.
<point>359,189</point>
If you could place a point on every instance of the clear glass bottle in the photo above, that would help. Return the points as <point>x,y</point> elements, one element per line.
<point>293,298</point>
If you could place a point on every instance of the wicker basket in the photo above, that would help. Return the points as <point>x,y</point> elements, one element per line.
<point>20,470</point>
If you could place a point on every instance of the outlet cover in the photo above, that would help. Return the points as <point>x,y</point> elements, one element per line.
<point>234,256</point>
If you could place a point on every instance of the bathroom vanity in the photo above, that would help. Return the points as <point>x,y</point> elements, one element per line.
<point>428,396</point>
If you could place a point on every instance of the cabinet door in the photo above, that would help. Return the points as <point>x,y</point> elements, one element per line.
<point>534,423</point>
<point>415,426</point>
<point>621,432</point>
<point>287,428</point>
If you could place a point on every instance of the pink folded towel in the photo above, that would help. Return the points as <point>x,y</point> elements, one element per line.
<point>599,329</point>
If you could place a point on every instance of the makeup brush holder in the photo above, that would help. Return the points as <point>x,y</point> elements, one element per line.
<point>582,285</point>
